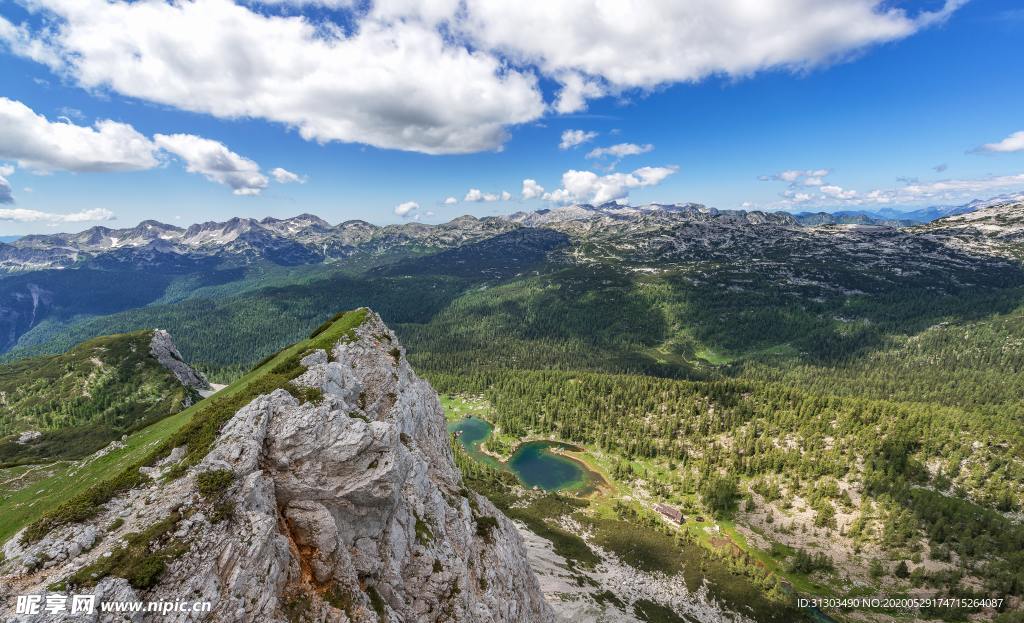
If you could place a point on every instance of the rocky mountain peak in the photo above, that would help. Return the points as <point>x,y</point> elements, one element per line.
<point>163,349</point>
<point>344,505</point>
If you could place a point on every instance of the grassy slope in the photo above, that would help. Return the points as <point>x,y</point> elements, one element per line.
<point>84,398</point>
<point>31,503</point>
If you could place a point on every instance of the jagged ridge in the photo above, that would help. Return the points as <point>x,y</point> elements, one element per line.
<point>343,504</point>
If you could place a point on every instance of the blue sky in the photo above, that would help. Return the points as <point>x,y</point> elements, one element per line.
<point>897,116</point>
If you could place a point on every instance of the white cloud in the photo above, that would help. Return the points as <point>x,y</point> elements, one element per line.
<point>798,177</point>
<point>6,170</point>
<point>794,196</point>
<point>588,187</point>
<point>531,189</point>
<point>21,41</point>
<point>594,47</point>
<point>214,161</point>
<point>335,4</point>
<point>963,186</point>
<point>914,192</point>
<point>284,176</point>
<point>573,138</point>
<point>21,215</point>
<point>407,209</point>
<point>576,90</point>
<point>837,192</point>
<point>110,146</point>
<point>620,151</point>
<point>42,145</point>
<point>1013,142</point>
<point>386,81</point>
<point>450,201</point>
<point>475,195</point>
<point>6,194</point>
<point>445,76</point>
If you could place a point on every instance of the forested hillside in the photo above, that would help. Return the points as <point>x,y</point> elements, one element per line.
<point>847,401</point>
<point>69,405</point>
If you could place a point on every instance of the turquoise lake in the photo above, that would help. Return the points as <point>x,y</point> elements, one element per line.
<point>533,463</point>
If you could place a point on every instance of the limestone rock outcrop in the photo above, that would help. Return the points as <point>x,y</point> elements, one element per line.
<point>163,349</point>
<point>346,507</point>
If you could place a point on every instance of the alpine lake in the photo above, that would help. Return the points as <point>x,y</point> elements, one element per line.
<point>537,464</point>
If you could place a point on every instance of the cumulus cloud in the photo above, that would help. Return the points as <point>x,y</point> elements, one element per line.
<point>476,195</point>
<point>42,145</point>
<point>407,209</point>
<point>574,138</point>
<point>383,73</point>
<point>1012,143</point>
<point>589,187</point>
<point>214,161</point>
<point>284,176</point>
<point>595,48</point>
<point>450,201</point>
<point>620,151</point>
<point>6,170</point>
<point>576,90</point>
<point>389,82</point>
<point>531,189</point>
<point>110,146</point>
<point>6,194</point>
<point>21,215</point>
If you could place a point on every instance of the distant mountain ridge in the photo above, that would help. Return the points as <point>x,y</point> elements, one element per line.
<point>302,239</point>
<point>309,239</point>
<point>901,218</point>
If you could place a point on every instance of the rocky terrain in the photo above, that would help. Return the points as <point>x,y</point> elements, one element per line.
<point>343,506</point>
<point>166,353</point>
<point>304,239</point>
<point>49,281</point>
<point>997,229</point>
<point>308,239</point>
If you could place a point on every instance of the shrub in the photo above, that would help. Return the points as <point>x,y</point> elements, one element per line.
<point>139,560</point>
<point>213,483</point>
<point>485,526</point>
<point>222,511</point>
<point>423,533</point>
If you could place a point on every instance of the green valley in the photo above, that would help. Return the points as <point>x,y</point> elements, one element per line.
<point>829,422</point>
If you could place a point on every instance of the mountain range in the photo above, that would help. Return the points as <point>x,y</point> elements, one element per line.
<point>308,239</point>
<point>830,408</point>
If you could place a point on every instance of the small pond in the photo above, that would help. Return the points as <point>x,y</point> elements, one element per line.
<point>535,463</point>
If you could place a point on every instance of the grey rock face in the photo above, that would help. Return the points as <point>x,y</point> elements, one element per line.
<point>350,509</point>
<point>163,348</point>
